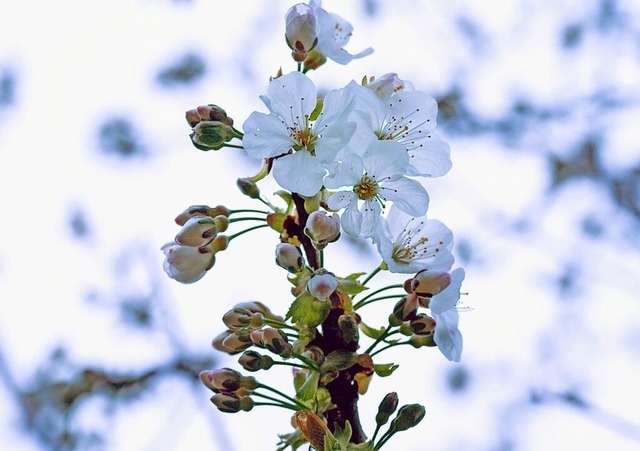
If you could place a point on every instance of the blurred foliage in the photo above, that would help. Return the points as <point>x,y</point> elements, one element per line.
<point>118,136</point>
<point>187,69</point>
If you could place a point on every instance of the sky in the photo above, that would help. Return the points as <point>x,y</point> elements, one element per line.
<point>539,102</point>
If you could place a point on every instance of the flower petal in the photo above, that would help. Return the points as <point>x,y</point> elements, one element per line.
<point>265,136</point>
<point>408,195</point>
<point>299,172</point>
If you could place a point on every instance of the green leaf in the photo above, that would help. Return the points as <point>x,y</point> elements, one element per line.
<point>339,360</point>
<point>385,369</point>
<point>366,446</point>
<point>371,332</point>
<point>309,388</point>
<point>308,310</point>
<point>350,284</point>
<point>343,435</point>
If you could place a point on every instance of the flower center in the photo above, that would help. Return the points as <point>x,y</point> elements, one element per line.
<point>366,188</point>
<point>302,135</point>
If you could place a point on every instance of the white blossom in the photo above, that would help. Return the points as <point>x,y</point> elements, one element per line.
<point>410,244</point>
<point>443,307</point>
<point>333,35</point>
<point>301,148</point>
<point>374,178</point>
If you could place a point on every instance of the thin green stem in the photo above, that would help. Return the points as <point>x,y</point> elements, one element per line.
<point>375,433</point>
<point>237,132</point>
<point>284,406</point>
<point>297,365</point>
<point>373,293</point>
<point>307,361</point>
<point>248,211</point>
<point>279,324</point>
<point>390,345</point>
<point>287,397</point>
<point>299,66</point>
<point>370,276</point>
<point>362,303</point>
<point>384,439</point>
<point>247,230</point>
<point>379,339</point>
<point>234,146</point>
<point>250,218</point>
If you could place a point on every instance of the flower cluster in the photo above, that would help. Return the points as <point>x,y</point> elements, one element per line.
<point>349,163</point>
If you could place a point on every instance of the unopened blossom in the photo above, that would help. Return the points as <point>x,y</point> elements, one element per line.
<point>201,210</point>
<point>301,31</point>
<point>197,231</point>
<point>289,257</point>
<point>408,117</point>
<point>428,283</point>
<point>322,228</point>
<point>387,85</point>
<point>443,307</point>
<point>374,178</point>
<point>333,35</point>
<point>187,264</point>
<point>409,244</point>
<point>301,148</point>
<point>321,286</point>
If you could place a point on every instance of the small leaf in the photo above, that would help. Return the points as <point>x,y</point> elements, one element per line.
<point>316,112</point>
<point>339,360</point>
<point>385,369</point>
<point>343,435</point>
<point>308,310</point>
<point>371,332</point>
<point>309,388</point>
<point>363,380</point>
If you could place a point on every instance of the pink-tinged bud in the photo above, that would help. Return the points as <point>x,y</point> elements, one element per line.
<point>231,402</point>
<point>239,318</point>
<point>322,228</point>
<point>201,210</point>
<point>207,113</point>
<point>221,380</point>
<point>404,310</point>
<point>197,231</point>
<point>386,85</point>
<point>321,286</point>
<point>254,361</point>
<point>429,283</point>
<point>259,307</point>
<point>289,257</point>
<point>276,341</point>
<point>231,343</point>
<point>186,264</point>
<point>301,31</point>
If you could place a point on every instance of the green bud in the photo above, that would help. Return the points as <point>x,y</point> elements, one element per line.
<point>418,341</point>
<point>254,361</point>
<point>211,135</point>
<point>388,405</point>
<point>349,328</point>
<point>231,402</point>
<point>408,416</point>
<point>248,188</point>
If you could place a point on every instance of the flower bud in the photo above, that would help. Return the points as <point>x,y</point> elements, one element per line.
<point>388,405</point>
<point>201,210</point>
<point>231,402</point>
<point>220,243</point>
<point>405,309</point>
<point>211,135</point>
<point>301,31</point>
<point>315,354</point>
<point>314,60</point>
<point>349,328</point>
<point>209,112</point>
<point>231,343</point>
<point>386,85</point>
<point>321,286</point>
<point>186,264</point>
<point>237,318</point>
<point>259,307</point>
<point>289,257</point>
<point>322,229</point>
<point>276,341</point>
<point>254,361</point>
<point>248,188</point>
<point>221,380</point>
<point>429,283</point>
<point>418,341</point>
<point>408,416</point>
<point>423,324</point>
<point>197,231</point>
